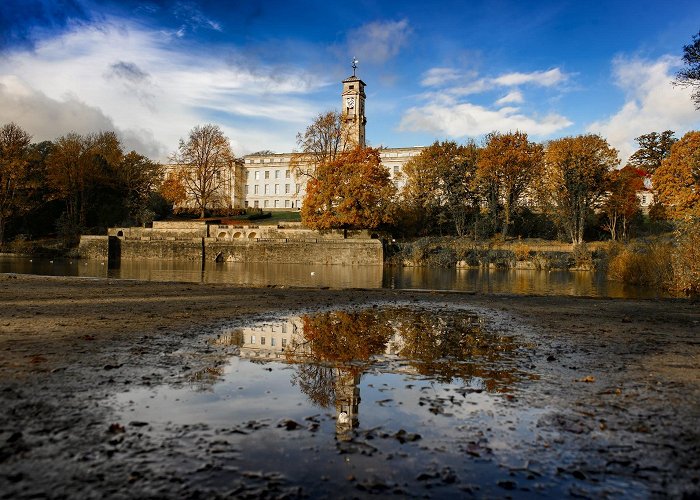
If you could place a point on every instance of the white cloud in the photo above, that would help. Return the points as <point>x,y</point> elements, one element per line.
<point>379,41</point>
<point>122,77</point>
<point>468,119</point>
<point>652,103</point>
<point>446,112</point>
<point>514,96</point>
<point>439,76</point>
<point>547,78</point>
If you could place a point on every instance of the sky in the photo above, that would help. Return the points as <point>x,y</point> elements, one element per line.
<point>151,70</point>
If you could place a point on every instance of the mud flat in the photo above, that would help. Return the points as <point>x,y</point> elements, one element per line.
<point>605,401</point>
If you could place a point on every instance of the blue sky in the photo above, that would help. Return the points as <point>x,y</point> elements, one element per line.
<point>263,70</point>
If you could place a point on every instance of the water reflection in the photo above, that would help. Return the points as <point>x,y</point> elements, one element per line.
<point>555,282</point>
<point>331,351</point>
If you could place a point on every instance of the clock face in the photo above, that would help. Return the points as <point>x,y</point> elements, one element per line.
<point>350,101</point>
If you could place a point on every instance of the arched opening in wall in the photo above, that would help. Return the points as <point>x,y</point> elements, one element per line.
<point>219,257</point>
<point>120,233</point>
<point>237,234</point>
<point>222,234</point>
<point>252,235</point>
<point>374,236</point>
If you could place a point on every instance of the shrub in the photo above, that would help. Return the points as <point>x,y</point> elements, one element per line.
<point>642,264</point>
<point>583,258</point>
<point>686,258</point>
<point>521,251</point>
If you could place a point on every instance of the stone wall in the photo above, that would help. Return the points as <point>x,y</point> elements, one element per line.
<point>348,252</point>
<point>184,249</point>
<point>94,247</point>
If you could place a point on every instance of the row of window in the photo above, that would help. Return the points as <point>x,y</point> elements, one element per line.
<point>278,174</point>
<point>274,204</point>
<point>266,189</point>
<point>273,341</point>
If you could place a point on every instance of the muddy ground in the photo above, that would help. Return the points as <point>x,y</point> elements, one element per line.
<point>619,379</point>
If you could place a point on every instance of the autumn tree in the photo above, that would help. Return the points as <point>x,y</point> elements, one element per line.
<point>507,166</point>
<point>440,185</point>
<point>574,180</point>
<point>323,140</point>
<point>690,75</point>
<point>653,149</point>
<point>621,203</point>
<point>14,170</point>
<point>172,189</point>
<point>204,159</point>
<point>76,166</point>
<point>677,181</point>
<point>353,191</point>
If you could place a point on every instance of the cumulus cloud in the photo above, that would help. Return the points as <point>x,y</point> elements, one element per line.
<point>447,112</point>
<point>652,103</point>
<point>120,76</point>
<point>379,41</point>
<point>468,119</point>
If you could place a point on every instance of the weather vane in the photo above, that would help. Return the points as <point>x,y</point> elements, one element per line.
<point>354,65</point>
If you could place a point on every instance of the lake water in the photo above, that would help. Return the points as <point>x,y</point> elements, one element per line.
<point>557,282</point>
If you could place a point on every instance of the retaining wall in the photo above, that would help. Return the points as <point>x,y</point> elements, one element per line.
<point>94,247</point>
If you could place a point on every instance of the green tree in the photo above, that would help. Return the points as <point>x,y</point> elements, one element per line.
<point>653,149</point>
<point>14,170</point>
<point>353,191</point>
<point>677,181</point>
<point>139,178</point>
<point>204,159</point>
<point>440,185</point>
<point>507,166</point>
<point>690,75</point>
<point>575,180</point>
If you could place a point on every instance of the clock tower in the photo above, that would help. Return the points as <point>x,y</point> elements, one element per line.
<point>353,110</point>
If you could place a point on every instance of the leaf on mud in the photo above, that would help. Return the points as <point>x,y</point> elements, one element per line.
<point>588,378</point>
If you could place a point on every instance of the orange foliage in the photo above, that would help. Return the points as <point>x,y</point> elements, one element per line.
<point>677,180</point>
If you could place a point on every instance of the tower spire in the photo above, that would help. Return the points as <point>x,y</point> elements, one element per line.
<point>354,65</point>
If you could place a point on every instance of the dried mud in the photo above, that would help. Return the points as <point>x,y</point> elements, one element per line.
<point>617,396</point>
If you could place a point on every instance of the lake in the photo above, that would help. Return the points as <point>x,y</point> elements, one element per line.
<point>555,282</point>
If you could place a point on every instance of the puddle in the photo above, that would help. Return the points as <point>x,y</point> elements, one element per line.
<point>397,400</point>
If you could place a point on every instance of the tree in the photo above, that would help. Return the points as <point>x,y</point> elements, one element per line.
<point>204,158</point>
<point>77,167</point>
<point>321,142</point>
<point>653,149</point>
<point>574,180</point>
<point>677,181</point>
<point>621,203</point>
<point>173,190</point>
<point>506,168</point>
<point>138,177</point>
<point>351,191</point>
<point>690,76</point>
<point>14,170</point>
<point>440,184</point>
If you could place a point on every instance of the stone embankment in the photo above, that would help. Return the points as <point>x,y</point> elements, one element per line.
<point>213,242</point>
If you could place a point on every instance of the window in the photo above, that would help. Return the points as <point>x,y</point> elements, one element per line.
<point>284,327</point>
<point>267,189</point>
<point>277,174</point>
<point>396,170</point>
<point>245,203</point>
<point>284,342</point>
<point>256,189</point>
<point>277,203</point>
<point>256,204</point>
<point>277,189</point>
<point>246,189</point>
<point>252,339</point>
<point>286,203</point>
<point>286,188</point>
<point>272,341</point>
<point>287,174</point>
<point>298,188</point>
<point>262,340</point>
<point>265,203</point>
<point>257,175</point>
<point>267,174</point>
<point>247,175</point>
